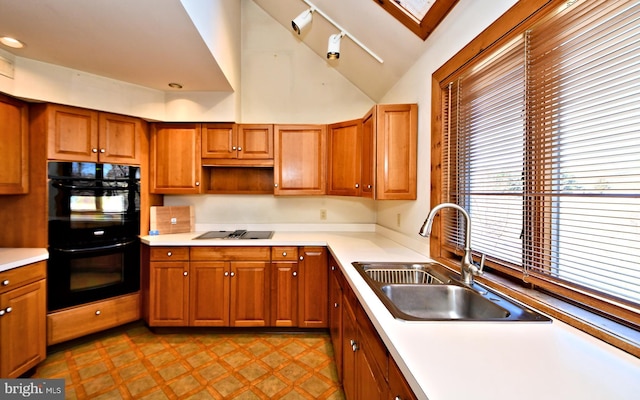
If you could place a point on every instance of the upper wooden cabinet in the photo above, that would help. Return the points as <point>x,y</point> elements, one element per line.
<point>300,159</point>
<point>236,145</point>
<point>345,158</point>
<point>14,152</point>
<point>77,134</point>
<point>175,158</point>
<point>389,152</point>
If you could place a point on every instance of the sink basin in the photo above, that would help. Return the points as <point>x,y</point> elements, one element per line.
<point>431,292</point>
<point>442,302</point>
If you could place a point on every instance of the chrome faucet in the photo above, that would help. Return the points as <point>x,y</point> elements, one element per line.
<point>467,267</point>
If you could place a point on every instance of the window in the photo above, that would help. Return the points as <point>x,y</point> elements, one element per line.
<point>540,142</point>
<point>420,16</point>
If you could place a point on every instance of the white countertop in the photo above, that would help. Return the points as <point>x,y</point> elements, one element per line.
<point>18,257</point>
<point>467,360</point>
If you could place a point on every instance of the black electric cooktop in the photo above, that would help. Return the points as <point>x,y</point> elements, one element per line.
<point>237,234</point>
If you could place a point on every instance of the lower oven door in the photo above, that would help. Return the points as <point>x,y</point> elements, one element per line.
<point>81,275</point>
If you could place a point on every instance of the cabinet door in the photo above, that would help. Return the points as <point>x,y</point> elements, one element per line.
<point>345,142</point>
<point>313,296</point>
<point>249,293</point>
<point>169,293</point>
<point>349,346</point>
<point>396,151</point>
<point>209,293</point>
<point>119,139</point>
<point>398,387</point>
<point>14,153</point>
<point>370,383</point>
<point>255,141</point>
<point>219,141</point>
<point>284,298</point>
<point>300,160</point>
<point>72,133</point>
<point>175,158</point>
<point>22,329</point>
<point>335,314</point>
<point>368,154</point>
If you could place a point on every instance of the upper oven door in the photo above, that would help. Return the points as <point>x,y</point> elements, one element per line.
<point>89,199</point>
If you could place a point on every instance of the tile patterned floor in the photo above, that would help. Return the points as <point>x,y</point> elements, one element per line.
<point>132,362</point>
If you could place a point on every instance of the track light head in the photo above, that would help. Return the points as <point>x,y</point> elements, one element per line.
<point>302,20</point>
<point>333,47</point>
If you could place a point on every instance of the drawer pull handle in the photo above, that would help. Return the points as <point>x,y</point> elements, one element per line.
<point>284,254</point>
<point>5,282</point>
<point>169,254</point>
<point>98,312</point>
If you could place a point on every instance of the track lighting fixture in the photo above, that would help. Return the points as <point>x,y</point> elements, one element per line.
<point>302,20</point>
<point>333,48</point>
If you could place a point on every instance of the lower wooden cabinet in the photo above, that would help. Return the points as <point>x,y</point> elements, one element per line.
<point>93,317</point>
<point>300,287</point>
<point>208,286</point>
<point>335,313</point>
<point>398,387</point>
<point>22,319</point>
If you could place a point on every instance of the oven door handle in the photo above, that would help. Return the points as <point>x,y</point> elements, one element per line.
<point>92,249</point>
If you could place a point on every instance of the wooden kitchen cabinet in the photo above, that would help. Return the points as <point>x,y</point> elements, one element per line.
<point>168,290</point>
<point>398,387</point>
<point>284,286</point>
<point>313,287</point>
<point>175,159</point>
<point>14,152</point>
<point>237,144</point>
<point>335,313</point>
<point>300,159</point>
<point>23,312</point>
<point>389,152</point>
<point>237,287</point>
<point>78,134</point>
<point>344,158</point>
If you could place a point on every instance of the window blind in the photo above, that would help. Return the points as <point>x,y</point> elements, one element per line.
<point>541,144</point>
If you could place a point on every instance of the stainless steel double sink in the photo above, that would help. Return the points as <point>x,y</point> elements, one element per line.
<point>431,292</point>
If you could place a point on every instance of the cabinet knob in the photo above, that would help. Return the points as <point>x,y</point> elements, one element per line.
<point>94,150</point>
<point>226,273</point>
<point>5,282</point>
<point>295,273</point>
<point>103,151</point>
<point>1,313</point>
<point>284,254</point>
<point>301,258</point>
<point>233,147</point>
<point>169,254</point>
<point>239,148</point>
<point>233,274</point>
<point>98,312</point>
<point>397,398</point>
<point>368,186</point>
<point>8,310</point>
<point>275,185</point>
<point>197,183</point>
<point>354,345</point>
<point>333,268</point>
<point>357,185</point>
<point>336,305</point>
<point>185,273</point>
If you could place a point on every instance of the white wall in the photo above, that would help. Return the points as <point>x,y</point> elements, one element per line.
<point>465,22</point>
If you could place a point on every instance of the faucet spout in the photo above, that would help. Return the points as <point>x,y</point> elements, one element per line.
<point>467,267</point>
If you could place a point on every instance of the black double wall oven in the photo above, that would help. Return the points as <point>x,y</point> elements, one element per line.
<point>94,226</point>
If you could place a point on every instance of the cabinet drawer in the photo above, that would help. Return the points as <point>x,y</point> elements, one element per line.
<point>16,277</point>
<point>100,315</point>
<point>169,254</point>
<point>284,253</point>
<point>230,253</point>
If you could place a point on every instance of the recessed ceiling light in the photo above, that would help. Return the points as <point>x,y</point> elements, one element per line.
<point>175,85</point>
<point>11,42</point>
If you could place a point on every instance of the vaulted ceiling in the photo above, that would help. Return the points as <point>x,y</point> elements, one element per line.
<point>154,42</point>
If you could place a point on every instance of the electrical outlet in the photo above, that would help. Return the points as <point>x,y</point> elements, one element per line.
<point>174,221</point>
<point>398,220</point>
<point>323,214</point>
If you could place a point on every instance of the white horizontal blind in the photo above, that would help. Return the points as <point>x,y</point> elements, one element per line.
<point>542,146</point>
